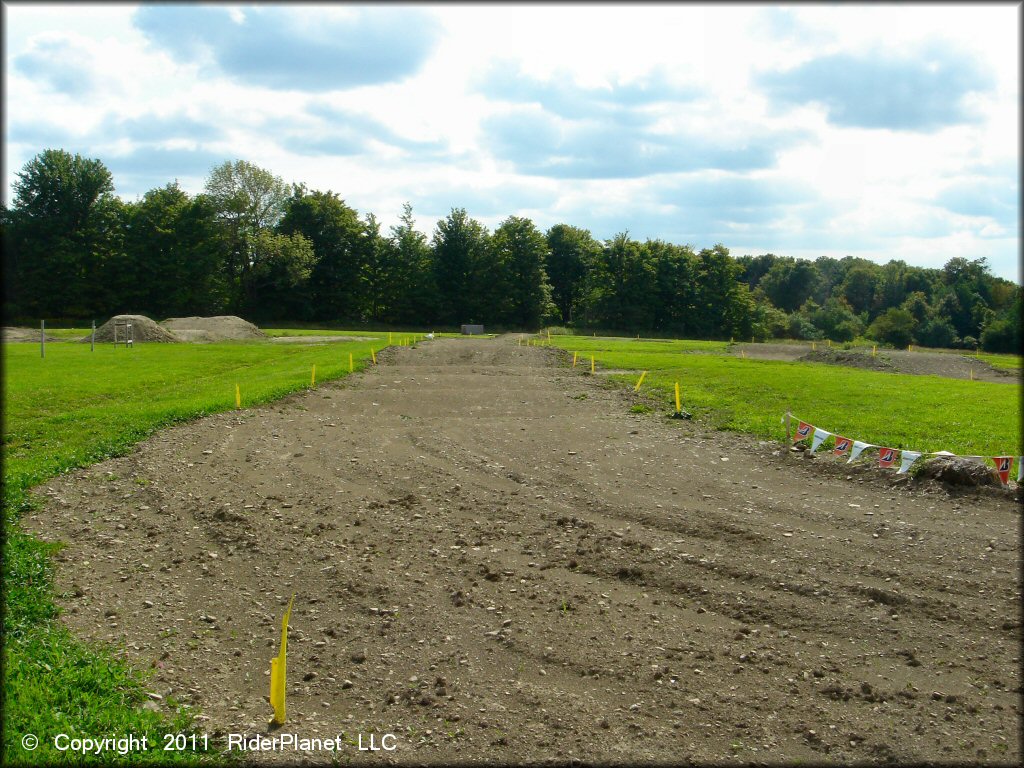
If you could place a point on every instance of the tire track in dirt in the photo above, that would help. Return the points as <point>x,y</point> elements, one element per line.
<point>494,560</point>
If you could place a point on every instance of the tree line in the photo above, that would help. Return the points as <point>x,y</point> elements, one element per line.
<point>254,246</point>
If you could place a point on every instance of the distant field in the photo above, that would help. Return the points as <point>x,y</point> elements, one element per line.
<point>1001,361</point>
<point>925,413</point>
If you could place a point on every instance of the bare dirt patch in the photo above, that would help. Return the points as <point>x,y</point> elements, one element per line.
<point>12,335</point>
<point>317,339</point>
<point>494,568</point>
<point>216,328</point>
<point>952,365</point>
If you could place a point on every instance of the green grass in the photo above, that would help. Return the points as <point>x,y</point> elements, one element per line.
<point>314,332</point>
<point>925,413</point>
<point>1011,362</point>
<point>71,409</point>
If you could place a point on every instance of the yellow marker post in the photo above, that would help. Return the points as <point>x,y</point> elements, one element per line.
<point>351,365</point>
<point>389,338</point>
<point>278,668</point>
<point>743,354</point>
<point>830,343</point>
<point>312,379</point>
<point>639,382</point>
<point>910,347</point>
<point>874,349</point>
<point>972,374</point>
<point>591,364</point>
<point>238,398</point>
<point>814,346</point>
<point>549,334</point>
<point>679,407</point>
<point>373,356</point>
<point>573,359</point>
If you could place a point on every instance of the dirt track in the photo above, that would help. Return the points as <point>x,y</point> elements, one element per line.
<point>494,561</point>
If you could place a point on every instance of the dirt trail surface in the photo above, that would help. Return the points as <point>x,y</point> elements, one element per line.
<point>495,562</point>
<point>951,365</point>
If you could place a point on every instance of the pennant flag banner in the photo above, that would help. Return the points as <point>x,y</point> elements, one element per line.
<point>907,458</point>
<point>803,431</point>
<point>820,436</point>
<point>1003,467</point>
<point>858,449</point>
<point>886,457</point>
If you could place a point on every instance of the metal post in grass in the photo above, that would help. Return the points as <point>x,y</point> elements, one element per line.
<point>42,338</point>
<point>788,415</point>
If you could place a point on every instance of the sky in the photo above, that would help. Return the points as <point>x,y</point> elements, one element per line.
<point>879,131</point>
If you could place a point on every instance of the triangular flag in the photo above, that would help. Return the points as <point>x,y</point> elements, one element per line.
<point>842,445</point>
<point>858,448</point>
<point>907,458</point>
<point>820,436</point>
<point>803,431</point>
<point>1003,467</point>
<point>886,457</point>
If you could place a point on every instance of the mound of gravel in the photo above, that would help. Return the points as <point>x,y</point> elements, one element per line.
<point>954,470</point>
<point>11,334</point>
<point>218,328</point>
<point>847,358</point>
<point>143,329</point>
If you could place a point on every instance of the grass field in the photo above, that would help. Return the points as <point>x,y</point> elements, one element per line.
<point>925,413</point>
<point>71,409</point>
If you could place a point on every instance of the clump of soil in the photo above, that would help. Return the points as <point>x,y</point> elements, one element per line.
<point>143,329</point>
<point>953,470</point>
<point>218,328</point>
<point>11,334</point>
<point>849,359</point>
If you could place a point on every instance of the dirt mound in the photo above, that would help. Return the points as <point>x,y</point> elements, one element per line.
<point>218,328</point>
<point>11,334</point>
<point>954,470</point>
<point>848,358</point>
<point>143,329</point>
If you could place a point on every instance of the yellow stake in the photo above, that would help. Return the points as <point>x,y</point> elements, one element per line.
<point>591,363</point>
<point>351,366</point>
<point>874,348</point>
<point>312,380</point>
<point>389,338</point>
<point>639,382</point>
<point>972,374</point>
<point>910,347</point>
<point>814,347</point>
<point>743,354</point>
<point>373,356</point>
<point>573,359</point>
<point>549,334</point>
<point>830,343</point>
<point>278,668</point>
<point>238,398</point>
<point>679,408</point>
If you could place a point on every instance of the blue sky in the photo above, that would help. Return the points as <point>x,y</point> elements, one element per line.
<point>887,132</point>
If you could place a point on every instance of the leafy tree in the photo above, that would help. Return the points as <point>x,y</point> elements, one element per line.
<point>413,293</point>
<point>790,282</point>
<point>460,258</point>
<point>571,253</point>
<point>274,286</point>
<point>521,250</point>
<point>336,235</point>
<point>620,287</point>
<point>248,200</point>
<point>61,228</point>
<point>835,319</point>
<point>676,291</point>
<point>894,326</point>
<point>377,262</point>
<point>935,332</point>
<point>858,287</point>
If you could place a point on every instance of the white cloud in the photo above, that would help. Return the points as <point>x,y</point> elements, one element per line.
<point>427,126</point>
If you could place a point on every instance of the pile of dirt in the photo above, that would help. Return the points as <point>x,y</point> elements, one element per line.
<point>954,470</point>
<point>143,329</point>
<point>848,358</point>
<point>218,328</point>
<point>11,334</point>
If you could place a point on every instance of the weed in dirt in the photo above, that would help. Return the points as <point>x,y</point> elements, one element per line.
<point>640,408</point>
<point>926,413</point>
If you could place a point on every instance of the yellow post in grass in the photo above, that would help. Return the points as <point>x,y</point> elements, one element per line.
<point>743,354</point>
<point>238,398</point>
<point>972,374</point>
<point>679,407</point>
<point>351,365</point>
<point>591,364</point>
<point>910,347</point>
<point>373,356</point>
<point>874,349</point>
<point>312,379</point>
<point>830,343</point>
<point>549,334</point>
<point>814,346</point>
<point>277,670</point>
<point>573,359</point>
<point>389,338</point>
<point>639,382</point>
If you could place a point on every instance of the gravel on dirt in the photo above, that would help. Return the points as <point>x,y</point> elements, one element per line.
<point>493,560</point>
<point>217,328</point>
<point>11,334</point>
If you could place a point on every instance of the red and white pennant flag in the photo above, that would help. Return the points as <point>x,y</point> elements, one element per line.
<point>842,445</point>
<point>803,431</point>
<point>886,457</point>
<point>1003,467</point>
